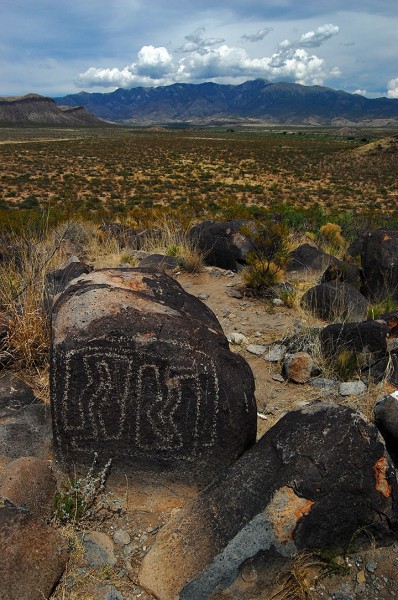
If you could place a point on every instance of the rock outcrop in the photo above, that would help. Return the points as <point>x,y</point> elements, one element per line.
<point>141,373</point>
<point>33,108</point>
<point>318,477</point>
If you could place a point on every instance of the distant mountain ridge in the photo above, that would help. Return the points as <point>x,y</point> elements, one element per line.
<point>258,100</point>
<point>40,110</point>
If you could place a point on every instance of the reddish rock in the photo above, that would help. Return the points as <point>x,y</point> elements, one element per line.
<point>29,483</point>
<point>299,367</point>
<point>33,556</point>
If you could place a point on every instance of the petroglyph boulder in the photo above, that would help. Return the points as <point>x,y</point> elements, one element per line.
<point>141,373</point>
<point>315,479</point>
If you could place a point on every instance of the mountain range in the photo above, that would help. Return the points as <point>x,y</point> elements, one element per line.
<point>40,110</point>
<point>257,101</point>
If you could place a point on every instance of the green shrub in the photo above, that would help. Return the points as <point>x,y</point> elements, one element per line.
<point>78,496</point>
<point>266,261</point>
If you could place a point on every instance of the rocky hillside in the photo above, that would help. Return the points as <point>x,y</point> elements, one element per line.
<point>258,100</point>
<point>35,109</point>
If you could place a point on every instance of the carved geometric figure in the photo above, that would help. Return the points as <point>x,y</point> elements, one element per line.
<point>141,373</point>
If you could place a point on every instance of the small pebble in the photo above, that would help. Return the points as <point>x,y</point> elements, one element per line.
<point>277,302</point>
<point>371,566</point>
<point>256,349</point>
<point>121,537</point>
<point>277,377</point>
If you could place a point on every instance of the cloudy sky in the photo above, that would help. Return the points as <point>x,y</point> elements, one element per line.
<point>56,47</point>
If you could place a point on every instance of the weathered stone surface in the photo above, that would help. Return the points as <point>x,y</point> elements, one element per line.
<point>15,395</point>
<point>275,352</point>
<point>315,479</point>
<point>352,388</point>
<point>27,433</point>
<point>379,259</point>
<point>391,319</point>
<point>308,258</point>
<point>98,549</point>
<point>29,483</point>
<point>386,418</point>
<point>237,338</point>
<point>56,281</point>
<point>141,372</point>
<point>32,558</point>
<point>299,367</point>
<point>356,248</point>
<point>222,243</point>
<point>324,383</point>
<point>160,261</point>
<point>335,301</point>
<point>256,349</point>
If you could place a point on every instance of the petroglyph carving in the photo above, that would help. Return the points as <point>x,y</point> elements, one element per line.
<point>121,392</point>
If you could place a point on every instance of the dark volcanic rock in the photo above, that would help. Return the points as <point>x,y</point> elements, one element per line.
<point>160,261</point>
<point>391,319</point>
<point>315,479</point>
<point>15,395</point>
<point>379,259</point>
<point>308,258</point>
<point>27,433</point>
<point>356,248</point>
<point>222,243</point>
<point>335,301</point>
<point>386,419</point>
<point>142,374</point>
<point>33,556</point>
<point>369,337</point>
<point>343,271</point>
<point>56,281</point>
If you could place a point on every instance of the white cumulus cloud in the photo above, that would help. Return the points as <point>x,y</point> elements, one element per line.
<point>205,59</point>
<point>392,88</point>
<point>154,67</point>
<point>314,39</point>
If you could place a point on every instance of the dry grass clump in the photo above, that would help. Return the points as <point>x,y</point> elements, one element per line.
<point>170,238</point>
<point>297,582</point>
<point>27,341</point>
